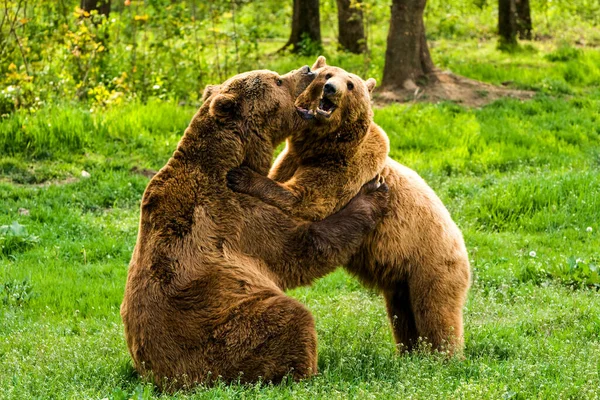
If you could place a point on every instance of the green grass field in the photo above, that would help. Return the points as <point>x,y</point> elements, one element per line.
<point>522,180</point>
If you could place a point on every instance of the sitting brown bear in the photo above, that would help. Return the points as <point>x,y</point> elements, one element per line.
<point>416,256</point>
<point>204,296</point>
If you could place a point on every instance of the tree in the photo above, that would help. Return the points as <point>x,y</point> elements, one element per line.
<point>103,6</point>
<point>507,22</point>
<point>407,58</point>
<point>306,24</point>
<point>350,26</point>
<point>524,25</point>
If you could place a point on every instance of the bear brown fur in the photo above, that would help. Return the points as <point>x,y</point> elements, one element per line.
<point>204,296</point>
<point>416,256</point>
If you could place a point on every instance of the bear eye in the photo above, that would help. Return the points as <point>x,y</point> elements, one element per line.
<point>350,86</point>
<point>279,82</point>
<point>328,76</point>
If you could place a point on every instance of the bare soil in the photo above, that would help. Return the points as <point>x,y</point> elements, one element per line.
<point>446,86</point>
<point>148,173</point>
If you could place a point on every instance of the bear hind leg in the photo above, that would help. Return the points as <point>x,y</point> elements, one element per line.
<point>401,316</point>
<point>437,303</point>
<point>288,345</point>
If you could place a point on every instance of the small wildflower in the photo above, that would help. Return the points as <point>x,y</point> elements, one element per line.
<point>588,229</point>
<point>156,87</point>
<point>532,253</point>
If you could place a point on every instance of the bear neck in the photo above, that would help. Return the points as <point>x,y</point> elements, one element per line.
<point>341,143</point>
<point>207,150</point>
<point>211,148</point>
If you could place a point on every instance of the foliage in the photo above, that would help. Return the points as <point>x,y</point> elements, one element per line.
<point>307,47</point>
<point>577,272</point>
<point>15,293</point>
<point>54,51</point>
<point>564,52</point>
<point>14,238</point>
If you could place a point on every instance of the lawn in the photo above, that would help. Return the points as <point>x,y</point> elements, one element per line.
<point>521,178</point>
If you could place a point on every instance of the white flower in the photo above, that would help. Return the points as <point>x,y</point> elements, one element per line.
<point>532,253</point>
<point>588,229</point>
<point>156,87</point>
<point>579,260</point>
<point>10,89</point>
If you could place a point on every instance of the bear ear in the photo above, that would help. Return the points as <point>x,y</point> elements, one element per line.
<point>209,90</point>
<point>320,63</point>
<point>223,105</point>
<point>370,84</point>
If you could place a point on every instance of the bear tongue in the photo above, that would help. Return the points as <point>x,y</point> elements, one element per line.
<point>304,113</point>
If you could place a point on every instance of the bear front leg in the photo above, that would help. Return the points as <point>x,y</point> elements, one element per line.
<point>245,180</point>
<point>333,240</point>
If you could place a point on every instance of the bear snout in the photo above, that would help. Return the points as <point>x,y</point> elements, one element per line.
<point>329,89</point>
<point>306,70</point>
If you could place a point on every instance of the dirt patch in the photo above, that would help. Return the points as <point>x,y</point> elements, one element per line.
<point>42,184</point>
<point>446,86</point>
<point>148,173</point>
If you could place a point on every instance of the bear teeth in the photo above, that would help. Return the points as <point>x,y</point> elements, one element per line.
<point>326,107</point>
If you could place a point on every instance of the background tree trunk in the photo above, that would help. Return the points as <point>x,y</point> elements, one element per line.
<point>407,58</point>
<point>103,6</point>
<point>507,22</point>
<point>350,26</point>
<point>524,25</point>
<point>306,23</point>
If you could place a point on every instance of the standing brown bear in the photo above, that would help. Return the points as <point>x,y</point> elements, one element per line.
<point>204,296</point>
<point>416,256</point>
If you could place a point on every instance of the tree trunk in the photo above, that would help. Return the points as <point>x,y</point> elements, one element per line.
<point>350,23</point>
<point>103,6</point>
<point>524,25</point>
<point>407,58</point>
<point>507,22</point>
<point>306,24</point>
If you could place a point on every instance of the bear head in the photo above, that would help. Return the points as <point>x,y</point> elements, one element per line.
<point>259,107</point>
<point>335,101</point>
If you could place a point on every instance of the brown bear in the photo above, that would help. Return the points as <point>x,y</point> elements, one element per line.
<point>204,295</point>
<point>416,256</point>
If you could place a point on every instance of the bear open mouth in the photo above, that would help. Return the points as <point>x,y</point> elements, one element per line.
<point>326,107</point>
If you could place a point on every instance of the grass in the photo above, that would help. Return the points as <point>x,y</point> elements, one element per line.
<point>522,180</point>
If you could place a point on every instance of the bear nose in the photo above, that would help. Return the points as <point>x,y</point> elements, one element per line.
<point>306,71</point>
<point>329,88</point>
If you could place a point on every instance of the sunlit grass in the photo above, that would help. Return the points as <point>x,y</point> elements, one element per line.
<point>522,180</point>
